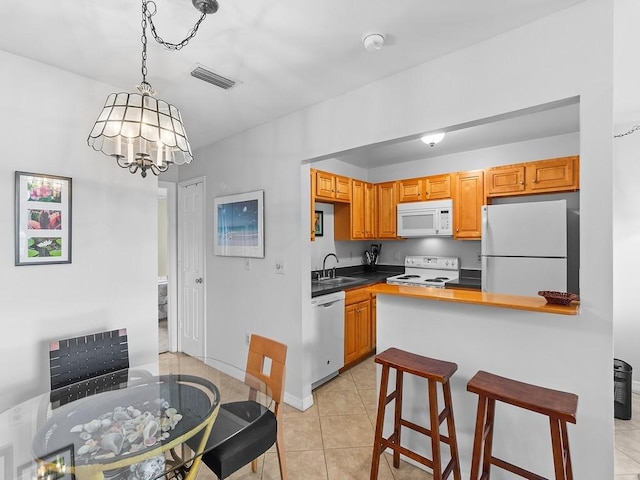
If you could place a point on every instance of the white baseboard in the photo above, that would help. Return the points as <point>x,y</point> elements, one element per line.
<point>296,402</point>
<point>635,387</point>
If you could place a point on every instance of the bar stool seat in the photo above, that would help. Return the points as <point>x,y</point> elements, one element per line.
<point>434,371</point>
<point>559,406</point>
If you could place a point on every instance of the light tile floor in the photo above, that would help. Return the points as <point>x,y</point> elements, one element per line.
<point>627,452</point>
<point>333,439</point>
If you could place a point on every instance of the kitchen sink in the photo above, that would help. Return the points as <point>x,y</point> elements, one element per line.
<point>338,281</point>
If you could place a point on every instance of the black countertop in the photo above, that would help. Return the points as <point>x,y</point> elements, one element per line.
<point>364,277</point>
<point>469,279</point>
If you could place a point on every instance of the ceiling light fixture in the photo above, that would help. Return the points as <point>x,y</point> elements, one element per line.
<point>373,41</point>
<point>139,131</point>
<point>432,138</point>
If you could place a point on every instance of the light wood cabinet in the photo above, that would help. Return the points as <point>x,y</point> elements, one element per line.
<point>410,190</point>
<point>553,175</point>
<point>374,306</point>
<point>357,325</point>
<point>356,220</point>
<point>387,203</point>
<point>544,176</point>
<point>437,187</point>
<point>332,188</point>
<point>370,211</point>
<point>467,203</point>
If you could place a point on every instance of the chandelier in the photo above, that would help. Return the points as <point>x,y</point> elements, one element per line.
<point>140,131</point>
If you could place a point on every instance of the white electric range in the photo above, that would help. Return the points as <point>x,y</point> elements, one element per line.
<point>425,271</point>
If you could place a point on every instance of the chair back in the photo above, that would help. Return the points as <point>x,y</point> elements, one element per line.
<point>261,348</point>
<point>77,359</point>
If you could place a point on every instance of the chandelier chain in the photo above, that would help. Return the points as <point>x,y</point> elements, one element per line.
<point>171,46</point>
<point>144,42</point>
<point>634,129</point>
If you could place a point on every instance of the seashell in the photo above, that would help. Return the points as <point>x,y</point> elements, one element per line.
<point>132,437</point>
<point>150,441</point>
<point>176,418</point>
<point>170,412</point>
<point>86,449</point>
<point>165,404</point>
<point>165,435</point>
<point>135,447</point>
<point>121,415</point>
<point>150,430</point>
<point>92,426</point>
<point>106,422</point>
<point>112,442</point>
<point>85,436</point>
<point>76,428</point>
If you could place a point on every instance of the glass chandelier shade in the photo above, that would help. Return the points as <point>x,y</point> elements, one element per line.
<point>141,132</point>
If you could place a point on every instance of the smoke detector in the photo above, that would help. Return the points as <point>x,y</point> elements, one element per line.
<point>373,41</point>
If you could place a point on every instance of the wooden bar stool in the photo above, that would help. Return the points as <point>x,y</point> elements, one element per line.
<point>435,371</point>
<point>560,407</point>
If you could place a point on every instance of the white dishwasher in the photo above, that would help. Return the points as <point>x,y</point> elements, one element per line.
<point>326,339</point>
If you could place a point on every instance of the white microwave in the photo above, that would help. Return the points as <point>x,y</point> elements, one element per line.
<point>425,219</point>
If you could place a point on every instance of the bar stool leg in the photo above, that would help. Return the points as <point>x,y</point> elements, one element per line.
<point>483,438</point>
<point>398,417</point>
<point>451,429</point>
<point>567,452</point>
<point>434,425</point>
<point>382,402</point>
<point>559,442</point>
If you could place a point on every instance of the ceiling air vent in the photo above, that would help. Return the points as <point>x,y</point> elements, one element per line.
<point>214,78</point>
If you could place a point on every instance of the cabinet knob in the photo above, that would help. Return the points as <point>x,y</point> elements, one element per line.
<point>534,181</point>
<point>521,183</point>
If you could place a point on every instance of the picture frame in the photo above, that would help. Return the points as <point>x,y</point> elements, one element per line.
<point>59,465</point>
<point>238,225</point>
<point>318,223</point>
<point>42,219</point>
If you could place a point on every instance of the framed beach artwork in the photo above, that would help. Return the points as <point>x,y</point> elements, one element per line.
<point>42,219</point>
<point>238,225</point>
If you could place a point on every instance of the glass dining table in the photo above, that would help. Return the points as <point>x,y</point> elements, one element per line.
<point>142,423</point>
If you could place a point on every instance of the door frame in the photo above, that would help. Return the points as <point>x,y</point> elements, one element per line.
<point>191,181</point>
<point>172,262</point>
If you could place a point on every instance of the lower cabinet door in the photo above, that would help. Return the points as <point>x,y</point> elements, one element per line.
<point>350,333</point>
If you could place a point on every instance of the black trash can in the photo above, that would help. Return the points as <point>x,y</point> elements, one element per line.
<point>621,389</point>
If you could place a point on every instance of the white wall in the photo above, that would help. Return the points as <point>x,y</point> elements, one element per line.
<point>112,282</point>
<point>626,259</point>
<point>562,56</point>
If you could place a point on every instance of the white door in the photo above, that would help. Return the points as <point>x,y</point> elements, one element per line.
<point>191,267</point>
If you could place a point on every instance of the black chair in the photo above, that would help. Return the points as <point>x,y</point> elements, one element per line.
<point>83,366</point>
<point>248,444</point>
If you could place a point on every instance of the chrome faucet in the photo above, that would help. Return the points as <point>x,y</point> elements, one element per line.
<point>324,268</point>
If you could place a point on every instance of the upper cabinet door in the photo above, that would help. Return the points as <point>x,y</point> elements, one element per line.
<point>553,175</point>
<point>387,202</point>
<point>343,188</point>
<point>325,185</point>
<point>505,180</point>
<point>467,203</point>
<point>411,190</point>
<point>437,187</point>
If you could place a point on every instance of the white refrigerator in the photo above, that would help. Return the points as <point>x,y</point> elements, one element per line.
<point>524,247</point>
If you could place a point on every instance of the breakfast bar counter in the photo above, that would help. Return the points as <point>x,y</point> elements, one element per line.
<point>517,302</point>
<point>522,338</point>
